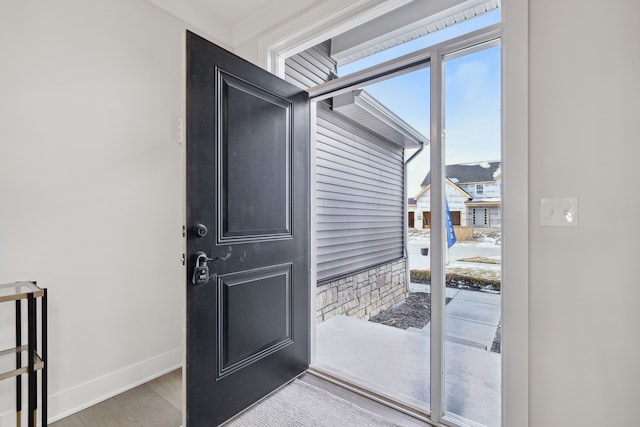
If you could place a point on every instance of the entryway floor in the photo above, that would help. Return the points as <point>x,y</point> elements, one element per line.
<point>158,403</point>
<point>396,363</point>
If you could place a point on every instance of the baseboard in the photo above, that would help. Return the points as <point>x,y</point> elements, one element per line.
<point>77,398</point>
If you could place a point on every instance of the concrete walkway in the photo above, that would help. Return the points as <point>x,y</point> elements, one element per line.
<point>395,362</point>
<point>471,318</point>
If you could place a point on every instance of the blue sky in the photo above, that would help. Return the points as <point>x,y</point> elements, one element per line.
<point>472,99</point>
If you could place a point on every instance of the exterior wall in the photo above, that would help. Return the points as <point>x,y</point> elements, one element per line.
<point>311,67</point>
<point>359,197</point>
<point>490,189</point>
<point>455,199</point>
<point>359,180</point>
<point>494,216</point>
<point>364,294</point>
<point>463,233</point>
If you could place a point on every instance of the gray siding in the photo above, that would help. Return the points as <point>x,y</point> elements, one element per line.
<point>359,196</point>
<point>311,67</point>
<point>359,182</point>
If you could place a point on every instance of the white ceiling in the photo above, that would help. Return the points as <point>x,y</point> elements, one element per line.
<point>232,12</point>
<point>232,22</point>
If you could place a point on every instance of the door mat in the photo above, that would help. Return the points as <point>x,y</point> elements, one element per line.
<point>301,404</point>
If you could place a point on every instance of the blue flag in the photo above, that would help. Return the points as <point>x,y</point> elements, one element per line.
<point>451,233</point>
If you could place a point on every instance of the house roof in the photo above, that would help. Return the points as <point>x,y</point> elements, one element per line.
<point>469,172</point>
<point>448,182</point>
<point>411,201</point>
<point>363,108</point>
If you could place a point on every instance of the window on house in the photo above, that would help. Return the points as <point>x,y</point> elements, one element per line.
<point>479,189</point>
<point>426,219</point>
<point>455,217</point>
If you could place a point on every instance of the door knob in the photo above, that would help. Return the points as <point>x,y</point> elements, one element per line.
<point>200,230</point>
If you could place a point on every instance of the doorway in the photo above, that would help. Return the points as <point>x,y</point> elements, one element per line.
<point>437,353</point>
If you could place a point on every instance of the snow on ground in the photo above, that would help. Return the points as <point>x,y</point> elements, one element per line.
<point>477,258</point>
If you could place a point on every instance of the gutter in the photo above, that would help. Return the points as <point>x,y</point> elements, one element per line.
<point>406,210</point>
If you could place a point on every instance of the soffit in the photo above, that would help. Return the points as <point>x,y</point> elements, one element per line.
<point>364,109</point>
<point>415,19</point>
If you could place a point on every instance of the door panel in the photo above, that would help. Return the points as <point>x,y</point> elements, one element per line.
<point>247,182</point>
<point>254,315</point>
<point>256,182</point>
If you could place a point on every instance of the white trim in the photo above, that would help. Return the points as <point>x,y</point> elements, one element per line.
<point>437,239</point>
<point>81,396</point>
<point>515,218</point>
<point>183,212</point>
<point>313,238</point>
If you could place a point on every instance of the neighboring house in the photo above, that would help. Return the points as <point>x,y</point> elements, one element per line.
<point>473,192</point>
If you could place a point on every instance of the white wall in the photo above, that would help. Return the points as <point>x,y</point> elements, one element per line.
<point>90,197</point>
<point>91,188</point>
<point>584,287</point>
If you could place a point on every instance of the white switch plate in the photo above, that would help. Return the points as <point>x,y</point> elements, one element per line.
<point>559,211</point>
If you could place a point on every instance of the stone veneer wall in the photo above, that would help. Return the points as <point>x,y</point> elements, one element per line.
<point>364,294</point>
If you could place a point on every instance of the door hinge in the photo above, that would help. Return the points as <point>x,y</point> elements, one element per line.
<point>184,231</point>
<point>184,259</point>
<point>180,131</point>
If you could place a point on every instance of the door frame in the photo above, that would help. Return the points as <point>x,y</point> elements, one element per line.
<point>515,246</point>
<point>433,56</point>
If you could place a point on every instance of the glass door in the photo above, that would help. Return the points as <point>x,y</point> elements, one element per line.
<point>472,168</point>
<point>450,367</point>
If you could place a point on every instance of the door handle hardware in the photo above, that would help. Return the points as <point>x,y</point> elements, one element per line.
<point>224,258</point>
<point>200,230</point>
<point>201,274</point>
<point>201,270</point>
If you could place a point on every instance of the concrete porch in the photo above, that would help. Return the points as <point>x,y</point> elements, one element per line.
<point>396,362</point>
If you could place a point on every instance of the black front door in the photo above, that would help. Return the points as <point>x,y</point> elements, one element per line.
<point>248,224</point>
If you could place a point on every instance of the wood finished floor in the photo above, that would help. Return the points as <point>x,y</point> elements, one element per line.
<point>159,404</point>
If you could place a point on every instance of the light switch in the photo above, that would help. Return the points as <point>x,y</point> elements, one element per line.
<point>559,211</point>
